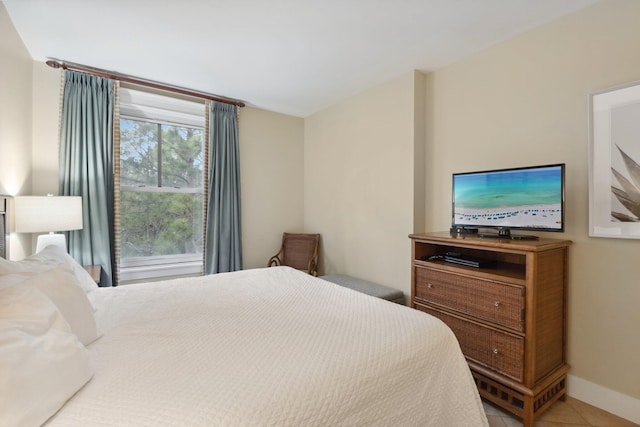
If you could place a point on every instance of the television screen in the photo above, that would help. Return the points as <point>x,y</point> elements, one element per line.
<point>529,198</point>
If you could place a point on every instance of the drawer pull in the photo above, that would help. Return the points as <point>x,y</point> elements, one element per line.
<point>429,285</point>
<point>496,303</point>
<point>495,351</point>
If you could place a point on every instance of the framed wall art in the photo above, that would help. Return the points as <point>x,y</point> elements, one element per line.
<point>614,162</point>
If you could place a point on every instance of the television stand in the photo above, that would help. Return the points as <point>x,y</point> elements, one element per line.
<point>509,315</point>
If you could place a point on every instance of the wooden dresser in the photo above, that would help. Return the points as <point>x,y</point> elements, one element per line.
<point>509,314</point>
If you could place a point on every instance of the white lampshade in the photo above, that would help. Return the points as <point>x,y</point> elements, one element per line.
<point>38,214</point>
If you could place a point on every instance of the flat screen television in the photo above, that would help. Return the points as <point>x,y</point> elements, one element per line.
<point>526,198</point>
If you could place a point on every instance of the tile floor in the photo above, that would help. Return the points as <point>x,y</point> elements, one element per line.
<point>570,413</point>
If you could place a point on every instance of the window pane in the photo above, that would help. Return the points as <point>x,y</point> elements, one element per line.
<point>160,224</point>
<point>138,153</point>
<point>181,162</point>
<point>161,197</point>
<point>182,157</point>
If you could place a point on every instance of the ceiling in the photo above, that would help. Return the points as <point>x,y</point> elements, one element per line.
<point>289,56</point>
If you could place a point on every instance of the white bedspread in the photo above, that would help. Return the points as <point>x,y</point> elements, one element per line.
<point>269,347</point>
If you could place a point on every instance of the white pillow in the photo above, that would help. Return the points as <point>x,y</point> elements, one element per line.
<point>31,263</point>
<point>47,258</point>
<point>53,252</point>
<point>42,364</point>
<point>59,284</point>
<point>8,267</point>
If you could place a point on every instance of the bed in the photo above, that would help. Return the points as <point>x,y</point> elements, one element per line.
<point>261,347</point>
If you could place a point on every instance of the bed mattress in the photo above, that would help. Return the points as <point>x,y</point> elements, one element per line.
<point>268,347</point>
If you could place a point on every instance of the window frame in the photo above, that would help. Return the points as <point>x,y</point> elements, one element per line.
<point>159,266</point>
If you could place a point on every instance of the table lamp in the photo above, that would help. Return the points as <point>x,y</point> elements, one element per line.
<point>38,214</point>
<point>4,226</point>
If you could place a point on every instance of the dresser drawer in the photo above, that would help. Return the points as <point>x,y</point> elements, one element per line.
<point>493,349</point>
<point>496,302</point>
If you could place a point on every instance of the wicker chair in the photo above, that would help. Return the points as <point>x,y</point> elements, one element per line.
<point>299,251</point>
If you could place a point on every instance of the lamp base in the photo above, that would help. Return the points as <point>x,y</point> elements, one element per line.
<point>45,240</point>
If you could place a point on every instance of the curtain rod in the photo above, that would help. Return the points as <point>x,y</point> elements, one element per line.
<point>55,63</point>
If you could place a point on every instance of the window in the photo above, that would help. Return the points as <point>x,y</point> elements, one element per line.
<point>161,186</point>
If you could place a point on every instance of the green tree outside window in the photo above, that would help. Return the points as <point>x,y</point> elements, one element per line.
<point>161,198</point>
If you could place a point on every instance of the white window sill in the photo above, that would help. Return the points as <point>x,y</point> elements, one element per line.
<point>158,267</point>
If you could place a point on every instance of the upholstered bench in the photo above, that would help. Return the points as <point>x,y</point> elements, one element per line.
<point>366,287</point>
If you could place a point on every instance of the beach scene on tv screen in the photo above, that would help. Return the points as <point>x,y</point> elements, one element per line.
<point>529,198</point>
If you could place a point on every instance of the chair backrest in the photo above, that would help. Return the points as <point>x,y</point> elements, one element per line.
<point>300,251</point>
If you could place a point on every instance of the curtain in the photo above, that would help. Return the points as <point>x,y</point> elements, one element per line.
<point>87,165</point>
<point>223,245</point>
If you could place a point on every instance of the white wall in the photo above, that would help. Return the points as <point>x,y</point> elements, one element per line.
<point>15,121</point>
<point>271,164</point>
<point>45,113</point>
<point>359,182</point>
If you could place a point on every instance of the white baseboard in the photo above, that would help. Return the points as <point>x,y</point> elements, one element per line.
<point>619,404</point>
